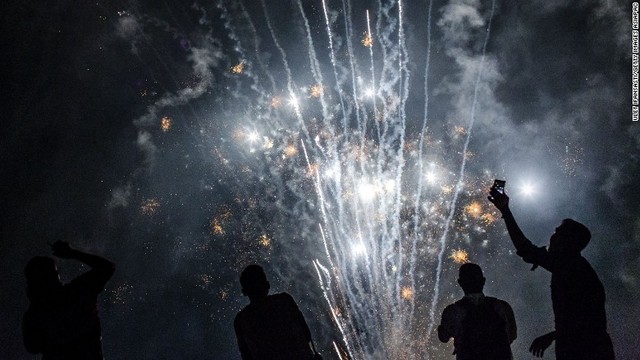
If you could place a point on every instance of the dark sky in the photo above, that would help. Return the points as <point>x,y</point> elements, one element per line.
<point>535,92</point>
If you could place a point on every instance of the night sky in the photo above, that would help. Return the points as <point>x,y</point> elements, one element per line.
<point>185,140</point>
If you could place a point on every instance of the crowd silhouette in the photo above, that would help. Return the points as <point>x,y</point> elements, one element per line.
<point>62,322</point>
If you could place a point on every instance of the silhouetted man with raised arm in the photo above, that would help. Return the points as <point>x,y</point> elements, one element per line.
<point>577,294</point>
<point>482,327</point>
<point>62,321</point>
<point>271,326</point>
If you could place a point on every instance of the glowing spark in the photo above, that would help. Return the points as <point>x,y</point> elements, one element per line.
<point>459,256</point>
<point>121,294</point>
<point>474,209</point>
<point>406,293</point>
<point>149,207</point>
<point>264,240</point>
<point>367,41</point>
<point>367,191</point>
<point>253,136</point>
<point>238,69</point>
<point>336,312</point>
<point>204,280</point>
<point>431,177</point>
<point>316,91</point>
<point>459,130</point>
<point>290,151</point>
<point>359,249</point>
<point>489,218</point>
<point>276,102</point>
<point>370,92</point>
<point>166,123</point>
<point>216,227</point>
<point>218,220</point>
<point>528,190</point>
<point>224,294</point>
<point>268,143</point>
<point>468,155</point>
<point>293,101</point>
<point>447,189</point>
<point>313,169</point>
<point>389,185</point>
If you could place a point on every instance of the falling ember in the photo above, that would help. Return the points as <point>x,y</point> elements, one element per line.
<point>216,227</point>
<point>238,69</point>
<point>316,91</point>
<point>224,294</point>
<point>460,130</point>
<point>149,207</point>
<point>468,155</point>
<point>276,102</point>
<point>313,169</point>
<point>238,135</point>
<point>474,210</point>
<point>268,143</point>
<point>290,151</point>
<point>336,312</point>
<point>367,41</point>
<point>459,256</point>
<point>488,218</point>
<point>121,293</point>
<point>264,240</point>
<point>166,123</point>
<point>205,280</point>
<point>447,189</point>
<point>407,293</point>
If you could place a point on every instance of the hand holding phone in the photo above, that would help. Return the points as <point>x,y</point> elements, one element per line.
<point>498,185</point>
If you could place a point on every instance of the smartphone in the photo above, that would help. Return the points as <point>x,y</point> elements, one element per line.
<point>499,185</point>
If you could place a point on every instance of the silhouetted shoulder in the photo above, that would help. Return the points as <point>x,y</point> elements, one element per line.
<point>283,297</point>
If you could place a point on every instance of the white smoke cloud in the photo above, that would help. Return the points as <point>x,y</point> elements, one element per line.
<point>128,28</point>
<point>120,197</point>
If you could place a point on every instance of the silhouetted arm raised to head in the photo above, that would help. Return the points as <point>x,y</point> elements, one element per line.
<point>101,268</point>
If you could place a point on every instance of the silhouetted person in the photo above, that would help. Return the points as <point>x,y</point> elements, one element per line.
<point>271,326</point>
<point>577,294</point>
<point>62,321</point>
<point>482,327</point>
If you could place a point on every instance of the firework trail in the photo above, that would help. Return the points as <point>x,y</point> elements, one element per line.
<point>358,190</point>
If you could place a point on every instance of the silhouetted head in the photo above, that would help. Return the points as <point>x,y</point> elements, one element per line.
<point>42,276</point>
<point>570,238</point>
<point>254,282</point>
<point>471,279</point>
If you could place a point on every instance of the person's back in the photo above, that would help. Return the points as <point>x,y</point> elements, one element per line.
<point>482,327</point>
<point>274,329</point>
<point>578,300</point>
<point>62,321</point>
<point>271,326</point>
<point>483,331</point>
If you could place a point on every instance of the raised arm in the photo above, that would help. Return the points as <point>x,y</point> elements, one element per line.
<point>62,250</point>
<point>524,248</point>
<point>101,268</point>
<point>501,202</point>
